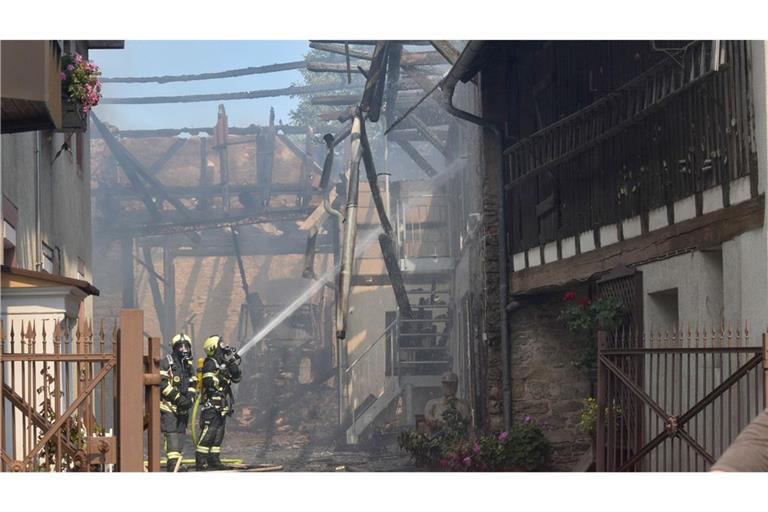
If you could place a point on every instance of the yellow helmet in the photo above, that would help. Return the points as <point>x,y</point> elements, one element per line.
<point>181,337</point>
<point>211,344</point>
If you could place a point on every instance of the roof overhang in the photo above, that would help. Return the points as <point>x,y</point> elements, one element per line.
<point>13,277</point>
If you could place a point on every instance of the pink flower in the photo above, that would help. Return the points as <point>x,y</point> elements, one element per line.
<point>569,296</point>
<point>503,436</point>
<point>70,67</point>
<point>78,58</point>
<point>467,461</point>
<point>476,448</point>
<point>62,76</point>
<point>527,419</point>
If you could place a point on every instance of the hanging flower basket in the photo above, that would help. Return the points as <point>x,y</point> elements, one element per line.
<point>73,119</point>
<point>80,89</point>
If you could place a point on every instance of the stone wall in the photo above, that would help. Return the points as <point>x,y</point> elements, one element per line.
<point>545,384</point>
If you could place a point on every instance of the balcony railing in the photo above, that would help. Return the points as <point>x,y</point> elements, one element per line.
<point>681,127</point>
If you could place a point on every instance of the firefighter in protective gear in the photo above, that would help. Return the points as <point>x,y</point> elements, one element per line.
<point>178,387</point>
<point>221,369</point>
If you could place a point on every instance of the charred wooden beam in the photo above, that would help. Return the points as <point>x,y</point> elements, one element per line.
<point>157,298</point>
<point>131,164</point>
<point>447,50</point>
<point>265,246</point>
<point>170,223</point>
<point>408,58</point>
<point>173,132</point>
<point>203,202</point>
<point>221,145</point>
<point>265,158</point>
<point>309,255</point>
<point>201,191</point>
<point>166,157</point>
<point>393,77</point>
<point>255,70</point>
<point>428,134</point>
<point>386,241</point>
<point>373,93</point>
<point>246,95</point>
<point>416,157</point>
<point>371,43</point>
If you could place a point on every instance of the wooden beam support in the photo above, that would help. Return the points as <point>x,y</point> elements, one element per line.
<point>701,232</point>
<point>200,191</point>
<point>173,132</point>
<point>230,96</point>
<point>170,222</point>
<point>430,136</point>
<point>169,273</point>
<point>166,157</point>
<point>416,157</point>
<point>157,298</point>
<point>257,70</point>
<point>447,50</point>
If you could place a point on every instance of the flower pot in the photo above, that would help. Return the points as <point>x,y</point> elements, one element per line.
<point>73,119</point>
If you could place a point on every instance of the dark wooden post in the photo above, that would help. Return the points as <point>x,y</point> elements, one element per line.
<point>131,387</point>
<point>152,383</point>
<point>602,403</point>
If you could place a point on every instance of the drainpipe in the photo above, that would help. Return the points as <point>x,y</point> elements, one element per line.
<point>38,236</point>
<point>448,86</point>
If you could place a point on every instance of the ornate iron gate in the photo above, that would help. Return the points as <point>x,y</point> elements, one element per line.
<point>61,406</point>
<point>695,393</point>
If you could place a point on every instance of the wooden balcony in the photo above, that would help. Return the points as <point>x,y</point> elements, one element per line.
<point>30,85</point>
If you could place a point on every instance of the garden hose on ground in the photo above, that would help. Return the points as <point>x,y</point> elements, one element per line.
<point>195,410</point>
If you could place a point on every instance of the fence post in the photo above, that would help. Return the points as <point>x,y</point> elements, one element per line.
<point>152,382</point>
<point>131,390</point>
<point>602,403</point>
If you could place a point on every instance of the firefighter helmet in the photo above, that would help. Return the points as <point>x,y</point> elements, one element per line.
<point>179,338</point>
<point>211,344</point>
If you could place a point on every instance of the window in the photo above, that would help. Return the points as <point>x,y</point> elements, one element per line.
<point>47,258</point>
<point>664,310</point>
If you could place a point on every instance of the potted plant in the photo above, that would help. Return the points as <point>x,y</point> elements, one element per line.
<point>81,91</point>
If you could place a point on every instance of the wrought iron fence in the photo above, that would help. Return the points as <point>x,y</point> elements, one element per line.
<point>75,399</point>
<point>674,401</point>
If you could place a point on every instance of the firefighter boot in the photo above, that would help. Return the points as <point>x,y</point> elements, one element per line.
<point>201,461</point>
<point>214,462</point>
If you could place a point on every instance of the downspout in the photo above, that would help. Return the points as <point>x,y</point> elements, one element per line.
<point>448,86</point>
<point>38,235</point>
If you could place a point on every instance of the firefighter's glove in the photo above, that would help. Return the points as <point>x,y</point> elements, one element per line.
<point>184,403</point>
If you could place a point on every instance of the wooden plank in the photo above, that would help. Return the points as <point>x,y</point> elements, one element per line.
<point>705,231</point>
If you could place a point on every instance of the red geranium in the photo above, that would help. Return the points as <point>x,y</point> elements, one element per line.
<point>569,296</point>
<point>584,303</point>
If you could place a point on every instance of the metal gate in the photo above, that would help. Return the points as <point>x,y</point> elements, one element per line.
<point>61,407</point>
<point>675,401</point>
